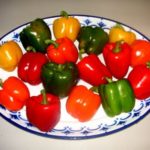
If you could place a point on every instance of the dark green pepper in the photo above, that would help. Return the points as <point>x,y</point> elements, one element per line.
<point>35,35</point>
<point>92,39</point>
<point>117,97</point>
<point>59,78</point>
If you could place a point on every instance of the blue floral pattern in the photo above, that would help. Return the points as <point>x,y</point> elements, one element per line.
<point>15,37</point>
<point>69,130</point>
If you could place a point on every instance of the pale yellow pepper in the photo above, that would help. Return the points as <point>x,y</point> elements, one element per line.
<point>10,55</point>
<point>66,26</point>
<point>118,33</point>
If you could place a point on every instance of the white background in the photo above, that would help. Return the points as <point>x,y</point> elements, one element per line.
<point>135,13</point>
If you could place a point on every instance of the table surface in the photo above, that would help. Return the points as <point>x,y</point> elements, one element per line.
<point>134,13</point>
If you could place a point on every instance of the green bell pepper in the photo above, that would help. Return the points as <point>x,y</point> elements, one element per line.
<point>34,36</point>
<point>59,78</point>
<point>92,39</point>
<point>117,97</point>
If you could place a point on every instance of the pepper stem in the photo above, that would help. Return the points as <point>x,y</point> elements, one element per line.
<point>109,80</point>
<point>1,83</point>
<point>44,100</point>
<point>48,42</point>
<point>64,14</point>
<point>148,64</point>
<point>61,67</point>
<point>30,48</point>
<point>118,25</point>
<point>81,51</point>
<point>117,48</point>
<point>94,89</point>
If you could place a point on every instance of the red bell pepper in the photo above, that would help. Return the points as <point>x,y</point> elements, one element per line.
<point>140,53</point>
<point>43,111</point>
<point>13,94</point>
<point>139,78</point>
<point>82,103</point>
<point>117,58</point>
<point>30,65</point>
<point>92,70</point>
<point>62,50</point>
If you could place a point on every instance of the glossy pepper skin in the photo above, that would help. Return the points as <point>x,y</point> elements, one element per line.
<point>117,97</point>
<point>62,50</point>
<point>117,57</point>
<point>118,33</point>
<point>34,35</point>
<point>10,55</point>
<point>66,26</point>
<point>82,103</point>
<point>139,78</point>
<point>92,70</point>
<point>43,111</point>
<point>92,39</point>
<point>30,65</point>
<point>140,53</point>
<point>14,94</point>
<point>59,79</point>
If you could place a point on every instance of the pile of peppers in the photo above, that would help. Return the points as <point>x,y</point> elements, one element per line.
<point>58,64</point>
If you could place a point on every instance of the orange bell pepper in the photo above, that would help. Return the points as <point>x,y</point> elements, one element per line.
<point>118,33</point>
<point>82,103</point>
<point>10,55</point>
<point>66,27</point>
<point>13,93</point>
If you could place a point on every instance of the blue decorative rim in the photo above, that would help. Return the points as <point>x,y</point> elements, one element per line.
<point>78,137</point>
<point>75,137</point>
<point>81,15</point>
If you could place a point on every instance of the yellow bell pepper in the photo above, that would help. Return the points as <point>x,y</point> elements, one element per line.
<point>118,33</point>
<point>10,55</point>
<point>66,27</point>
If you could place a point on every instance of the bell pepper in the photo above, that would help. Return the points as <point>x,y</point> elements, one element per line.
<point>10,55</point>
<point>66,26</point>
<point>92,70</point>
<point>117,97</point>
<point>62,50</point>
<point>140,53</point>
<point>43,111</point>
<point>59,79</point>
<point>29,67</point>
<point>82,103</point>
<point>92,39</point>
<point>35,34</point>
<point>14,94</point>
<point>117,58</point>
<point>118,33</point>
<point>139,78</point>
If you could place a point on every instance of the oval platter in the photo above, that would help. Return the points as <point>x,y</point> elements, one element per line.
<point>69,128</point>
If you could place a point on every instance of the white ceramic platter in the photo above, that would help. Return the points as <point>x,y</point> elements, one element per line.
<point>69,128</point>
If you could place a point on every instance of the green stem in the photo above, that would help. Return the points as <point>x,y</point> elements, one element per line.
<point>118,25</point>
<point>30,48</point>
<point>44,100</point>
<point>48,42</point>
<point>94,89</point>
<point>109,80</point>
<point>1,83</point>
<point>117,48</point>
<point>148,64</point>
<point>60,67</point>
<point>81,51</point>
<point>64,14</point>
